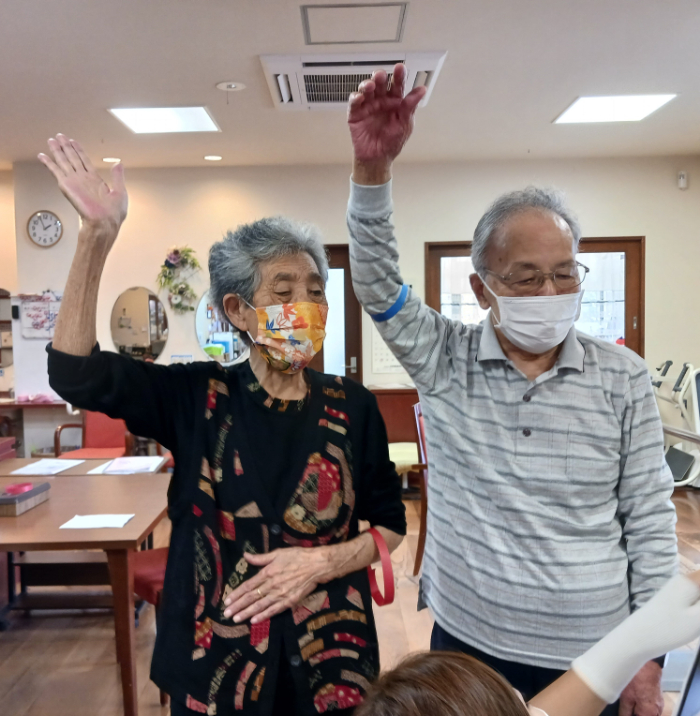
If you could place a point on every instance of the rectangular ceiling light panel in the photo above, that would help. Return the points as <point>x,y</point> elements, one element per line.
<point>622,108</point>
<point>157,120</point>
<point>353,23</point>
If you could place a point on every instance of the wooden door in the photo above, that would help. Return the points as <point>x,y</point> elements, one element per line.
<point>339,260</point>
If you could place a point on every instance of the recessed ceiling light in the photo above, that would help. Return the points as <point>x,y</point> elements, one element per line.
<point>111,160</point>
<point>230,86</point>
<point>213,158</point>
<point>621,108</point>
<point>142,120</point>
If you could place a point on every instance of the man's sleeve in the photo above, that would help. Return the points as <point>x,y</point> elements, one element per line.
<point>646,512</point>
<point>417,335</point>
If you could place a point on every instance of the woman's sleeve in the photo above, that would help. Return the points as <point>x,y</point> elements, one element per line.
<point>379,500</point>
<point>152,399</point>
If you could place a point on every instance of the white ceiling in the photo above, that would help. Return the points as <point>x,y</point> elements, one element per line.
<point>512,67</point>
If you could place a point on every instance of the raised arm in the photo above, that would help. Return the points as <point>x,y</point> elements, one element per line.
<point>381,121</point>
<point>102,210</point>
<point>150,398</point>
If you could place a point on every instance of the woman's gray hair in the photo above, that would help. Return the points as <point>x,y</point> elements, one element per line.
<point>234,262</point>
<point>513,203</point>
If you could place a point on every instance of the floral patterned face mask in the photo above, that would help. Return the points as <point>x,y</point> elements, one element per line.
<point>291,334</point>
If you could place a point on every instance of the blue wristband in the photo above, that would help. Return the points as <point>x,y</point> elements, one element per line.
<point>398,305</point>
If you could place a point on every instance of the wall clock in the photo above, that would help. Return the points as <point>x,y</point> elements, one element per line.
<point>45,229</point>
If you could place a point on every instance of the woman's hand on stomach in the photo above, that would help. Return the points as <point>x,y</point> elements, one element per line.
<point>287,576</point>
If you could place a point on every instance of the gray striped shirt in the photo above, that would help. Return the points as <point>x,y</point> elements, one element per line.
<point>549,512</point>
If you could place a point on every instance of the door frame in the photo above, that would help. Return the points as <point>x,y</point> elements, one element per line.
<point>339,257</point>
<point>634,248</point>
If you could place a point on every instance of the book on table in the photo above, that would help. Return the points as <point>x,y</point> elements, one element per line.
<point>19,498</point>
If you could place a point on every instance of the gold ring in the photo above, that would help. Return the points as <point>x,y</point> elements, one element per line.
<point>260,594</point>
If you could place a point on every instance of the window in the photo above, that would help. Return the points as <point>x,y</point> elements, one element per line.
<point>613,301</point>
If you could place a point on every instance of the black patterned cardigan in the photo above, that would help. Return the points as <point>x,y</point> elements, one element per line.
<point>219,510</point>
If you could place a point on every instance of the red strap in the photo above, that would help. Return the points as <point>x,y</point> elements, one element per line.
<point>387,569</point>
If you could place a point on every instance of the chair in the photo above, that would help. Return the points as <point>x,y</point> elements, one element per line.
<point>104,438</point>
<point>7,448</point>
<point>169,463</point>
<point>149,576</point>
<point>423,454</point>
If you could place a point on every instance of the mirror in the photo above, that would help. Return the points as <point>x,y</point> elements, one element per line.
<point>139,324</point>
<point>217,337</point>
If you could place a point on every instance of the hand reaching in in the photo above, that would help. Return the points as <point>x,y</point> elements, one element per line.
<point>97,203</point>
<point>381,119</point>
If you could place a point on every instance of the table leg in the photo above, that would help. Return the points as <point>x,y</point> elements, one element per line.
<point>122,576</point>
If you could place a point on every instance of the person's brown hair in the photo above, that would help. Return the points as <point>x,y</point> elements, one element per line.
<point>441,683</point>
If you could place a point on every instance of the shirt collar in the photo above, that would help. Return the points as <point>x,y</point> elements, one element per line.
<point>572,353</point>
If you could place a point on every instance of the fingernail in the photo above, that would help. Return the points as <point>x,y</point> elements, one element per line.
<point>236,619</point>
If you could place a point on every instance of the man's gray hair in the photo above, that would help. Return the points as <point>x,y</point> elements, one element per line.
<point>517,202</point>
<point>234,262</point>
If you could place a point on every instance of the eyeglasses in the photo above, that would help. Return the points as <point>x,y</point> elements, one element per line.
<point>527,282</point>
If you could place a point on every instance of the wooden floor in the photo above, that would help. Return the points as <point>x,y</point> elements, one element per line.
<point>64,664</point>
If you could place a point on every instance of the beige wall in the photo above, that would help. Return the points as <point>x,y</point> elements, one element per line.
<point>433,203</point>
<point>8,250</point>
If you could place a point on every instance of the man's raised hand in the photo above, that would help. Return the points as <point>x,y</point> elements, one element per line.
<point>98,204</point>
<point>381,118</point>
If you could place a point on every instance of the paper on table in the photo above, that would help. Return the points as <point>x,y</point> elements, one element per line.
<point>129,465</point>
<point>46,466</point>
<point>99,470</point>
<point>93,522</point>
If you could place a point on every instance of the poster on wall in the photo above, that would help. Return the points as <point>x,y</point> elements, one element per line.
<point>383,360</point>
<point>38,313</point>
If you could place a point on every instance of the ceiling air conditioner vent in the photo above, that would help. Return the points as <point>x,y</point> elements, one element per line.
<point>326,81</point>
<point>331,88</point>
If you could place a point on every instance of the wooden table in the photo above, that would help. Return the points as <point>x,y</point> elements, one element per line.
<point>8,466</point>
<point>10,404</point>
<point>38,529</point>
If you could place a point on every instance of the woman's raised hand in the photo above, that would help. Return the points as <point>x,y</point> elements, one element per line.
<point>381,118</point>
<point>98,204</point>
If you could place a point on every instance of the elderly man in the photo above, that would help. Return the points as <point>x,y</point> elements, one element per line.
<point>549,514</point>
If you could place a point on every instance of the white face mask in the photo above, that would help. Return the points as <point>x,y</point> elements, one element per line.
<point>537,324</point>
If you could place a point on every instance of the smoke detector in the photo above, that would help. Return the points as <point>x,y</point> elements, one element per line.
<point>326,81</point>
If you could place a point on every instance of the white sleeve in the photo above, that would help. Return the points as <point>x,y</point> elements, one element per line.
<point>668,620</point>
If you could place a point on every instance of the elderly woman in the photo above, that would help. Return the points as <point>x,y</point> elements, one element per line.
<point>267,605</point>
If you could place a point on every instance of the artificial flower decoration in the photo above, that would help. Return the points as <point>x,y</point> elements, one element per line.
<point>180,265</point>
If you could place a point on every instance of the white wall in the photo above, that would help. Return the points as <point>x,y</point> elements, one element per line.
<point>433,203</point>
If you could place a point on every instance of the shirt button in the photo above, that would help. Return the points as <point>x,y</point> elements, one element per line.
<point>276,530</point>
<point>527,398</point>
<point>527,432</point>
<point>295,660</point>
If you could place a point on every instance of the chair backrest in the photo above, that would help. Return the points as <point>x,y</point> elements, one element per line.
<point>420,429</point>
<point>395,406</point>
<point>101,431</point>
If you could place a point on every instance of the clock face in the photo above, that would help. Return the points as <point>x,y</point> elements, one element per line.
<point>44,228</point>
